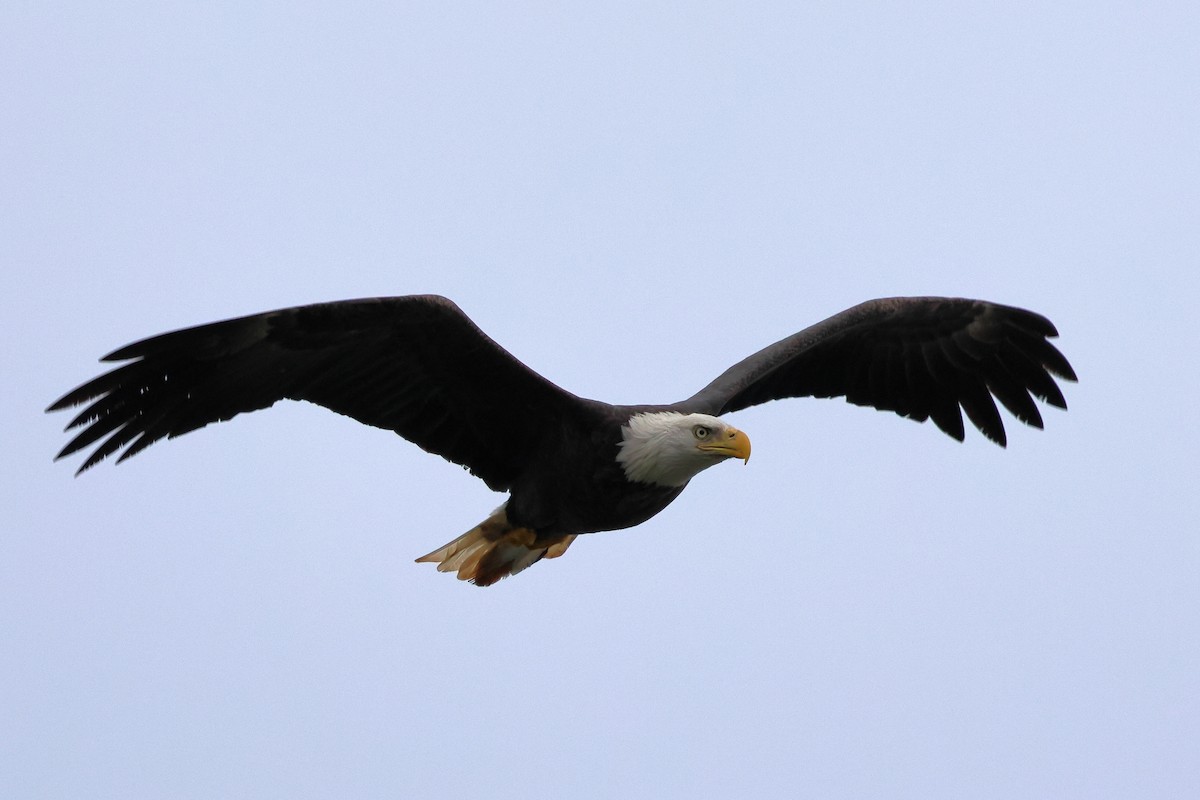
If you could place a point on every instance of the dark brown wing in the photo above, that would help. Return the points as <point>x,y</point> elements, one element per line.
<point>415,365</point>
<point>922,357</point>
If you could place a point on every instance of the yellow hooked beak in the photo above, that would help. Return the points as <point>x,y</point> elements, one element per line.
<point>731,444</point>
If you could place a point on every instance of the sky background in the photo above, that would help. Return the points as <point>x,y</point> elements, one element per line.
<point>629,197</point>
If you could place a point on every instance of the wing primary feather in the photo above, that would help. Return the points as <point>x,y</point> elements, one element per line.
<point>977,401</point>
<point>90,435</point>
<point>1013,395</point>
<point>948,418</point>
<point>1034,376</point>
<point>1042,351</point>
<point>940,382</point>
<point>1031,321</point>
<point>143,440</point>
<point>110,445</point>
<point>97,387</point>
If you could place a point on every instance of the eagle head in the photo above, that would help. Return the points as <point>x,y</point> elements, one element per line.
<point>669,448</point>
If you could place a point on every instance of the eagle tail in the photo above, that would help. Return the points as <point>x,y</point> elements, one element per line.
<point>495,549</point>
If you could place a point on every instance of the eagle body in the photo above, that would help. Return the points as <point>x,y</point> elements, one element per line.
<point>598,487</point>
<point>418,366</point>
<point>591,492</point>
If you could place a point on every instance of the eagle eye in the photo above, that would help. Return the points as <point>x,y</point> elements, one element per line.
<point>701,432</point>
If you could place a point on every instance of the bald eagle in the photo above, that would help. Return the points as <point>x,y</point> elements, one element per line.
<point>418,366</point>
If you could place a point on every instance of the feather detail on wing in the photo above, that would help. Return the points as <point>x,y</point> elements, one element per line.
<point>921,357</point>
<point>415,365</point>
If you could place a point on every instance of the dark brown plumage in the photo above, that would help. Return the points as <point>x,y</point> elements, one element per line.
<point>922,357</point>
<point>418,366</point>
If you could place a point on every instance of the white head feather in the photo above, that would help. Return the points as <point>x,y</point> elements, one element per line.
<point>669,448</point>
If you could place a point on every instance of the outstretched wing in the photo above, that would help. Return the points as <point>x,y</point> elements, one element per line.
<point>922,357</point>
<point>415,365</point>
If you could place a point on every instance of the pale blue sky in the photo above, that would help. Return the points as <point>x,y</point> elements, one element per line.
<point>630,197</point>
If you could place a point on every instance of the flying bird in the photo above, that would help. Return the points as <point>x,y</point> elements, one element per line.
<point>418,366</point>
